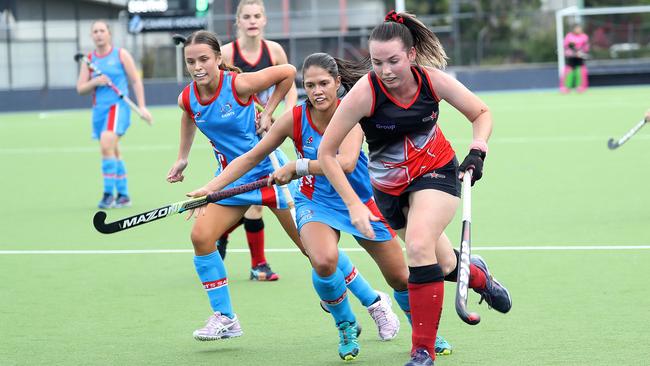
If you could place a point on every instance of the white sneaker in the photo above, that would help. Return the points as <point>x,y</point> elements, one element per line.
<point>218,326</point>
<point>383,315</point>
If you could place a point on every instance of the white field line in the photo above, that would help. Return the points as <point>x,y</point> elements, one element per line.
<point>502,140</point>
<point>295,250</point>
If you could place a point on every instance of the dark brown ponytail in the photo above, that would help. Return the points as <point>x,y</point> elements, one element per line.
<point>349,71</point>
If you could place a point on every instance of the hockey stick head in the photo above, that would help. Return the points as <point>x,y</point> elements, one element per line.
<point>99,221</point>
<point>612,144</point>
<point>78,56</point>
<point>468,317</point>
<point>179,39</point>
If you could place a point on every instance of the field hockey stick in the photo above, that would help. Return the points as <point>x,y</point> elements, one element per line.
<point>276,165</point>
<point>179,39</point>
<point>462,284</point>
<point>81,57</point>
<point>612,144</point>
<point>171,209</point>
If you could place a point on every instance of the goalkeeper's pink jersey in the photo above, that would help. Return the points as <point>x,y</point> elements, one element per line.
<point>580,41</point>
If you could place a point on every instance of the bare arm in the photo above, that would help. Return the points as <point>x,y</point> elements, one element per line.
<point>134,77</point>
<point>280,130</point>
<point>188,130</point>
<point>86,84</point>
<point>355,105</point>
<point>280,58</point>
<point>347,158</point>
<point>347,155</point>
<point>475,110</point>
<point>281,76</point>
<point>466,102</point>
<point>136,83</point>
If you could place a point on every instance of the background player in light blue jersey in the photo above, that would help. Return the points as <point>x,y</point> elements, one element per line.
<point>111,115</point>
<point>219,102</point>
<point>322,215</point>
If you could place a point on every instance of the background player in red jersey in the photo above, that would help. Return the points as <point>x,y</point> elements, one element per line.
<point>412,166</point>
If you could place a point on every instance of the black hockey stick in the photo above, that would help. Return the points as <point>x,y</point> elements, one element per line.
<point>462,285</point>
<point>169,210</point>
<point>81,57</point>
<point>612,144</point>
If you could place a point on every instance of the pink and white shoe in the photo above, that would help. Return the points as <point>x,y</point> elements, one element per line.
<point>219,326</point>
<point>383,315</point>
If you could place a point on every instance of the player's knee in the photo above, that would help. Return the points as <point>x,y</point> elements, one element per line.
<point>254,213</point>
<point>447,263</point>
<point>419,248</point>
<point>324,266</point>
<point>202,242</point>
<point>107,145</point>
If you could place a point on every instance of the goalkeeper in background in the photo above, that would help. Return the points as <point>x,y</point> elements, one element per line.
<point>576,48</point>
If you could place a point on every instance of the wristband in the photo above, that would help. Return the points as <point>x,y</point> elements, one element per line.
<point>302,167</point>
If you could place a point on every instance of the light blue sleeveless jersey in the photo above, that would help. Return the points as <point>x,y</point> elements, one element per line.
<point>316,198</point>
<point>229,124</point>
<point>111,66</point>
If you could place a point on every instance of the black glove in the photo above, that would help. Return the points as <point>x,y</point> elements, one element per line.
<point>473,161</point>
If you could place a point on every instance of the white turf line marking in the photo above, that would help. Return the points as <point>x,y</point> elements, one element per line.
<point>502,140</point>
<point>295,250</point>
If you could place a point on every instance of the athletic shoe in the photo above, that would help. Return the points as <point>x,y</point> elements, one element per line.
<point>496,296</point>
<point>222,244</point>
<point>420,357</point>
<point>218,327</point>
<point>263,272</point>
<point>443,348</point>
<point>323,305</point>
<point>348,345</point>
<point>107,201</point>
<point>383,315</point>
<point>122,201</point>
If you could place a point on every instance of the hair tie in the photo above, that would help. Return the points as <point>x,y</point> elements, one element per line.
<point>393,16</point>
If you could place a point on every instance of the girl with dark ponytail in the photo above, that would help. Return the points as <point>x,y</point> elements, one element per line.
<point>320,211</point>
<point>413,169</point>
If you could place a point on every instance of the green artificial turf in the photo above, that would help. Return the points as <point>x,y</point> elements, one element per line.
<point>549,181</point>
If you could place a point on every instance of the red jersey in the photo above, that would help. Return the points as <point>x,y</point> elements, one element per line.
<point>404,140</point>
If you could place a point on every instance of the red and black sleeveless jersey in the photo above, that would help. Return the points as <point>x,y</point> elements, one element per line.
<point>264,59</point>
<point>404,140</point>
